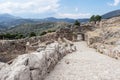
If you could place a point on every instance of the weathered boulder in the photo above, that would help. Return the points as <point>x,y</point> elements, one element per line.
<point>3,65</point>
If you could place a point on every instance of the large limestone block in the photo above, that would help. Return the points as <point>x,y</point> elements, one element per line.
<point>3,65</point>
<point>20,73</point>
<point>17,73</point>
<point>36,74</point>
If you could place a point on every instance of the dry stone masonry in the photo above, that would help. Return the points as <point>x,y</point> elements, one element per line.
<point>10,49</point>
<point>37,65</point>
<point>106,37</point>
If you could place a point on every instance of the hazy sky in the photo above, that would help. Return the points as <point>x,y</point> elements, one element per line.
<point>57,8</point>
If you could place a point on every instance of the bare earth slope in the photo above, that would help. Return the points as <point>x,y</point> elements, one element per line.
<point>86,64</point>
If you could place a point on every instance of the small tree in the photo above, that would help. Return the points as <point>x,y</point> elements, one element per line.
<point>98,18</point>
<point>77,23</point>
<point>92,18</point>
<point>95,18</point>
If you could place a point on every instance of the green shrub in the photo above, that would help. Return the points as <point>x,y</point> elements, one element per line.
<point>43,33</point>
<point>19,36</point>
<point>49,31</point>
<point>95,18</point>
<point>32,34</point>
<point>77,23</point>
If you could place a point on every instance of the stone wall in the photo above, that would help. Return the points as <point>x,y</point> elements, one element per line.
<point>65,33</point>
<point>93,37</point>
<point>36,65</point>
<point>106,37</point>
<point>107,43</point>
<point>10,49</point>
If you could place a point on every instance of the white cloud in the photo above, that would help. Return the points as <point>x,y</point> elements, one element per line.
<point>28,6</point>
<point>73,15</point>
<point>116,3</point>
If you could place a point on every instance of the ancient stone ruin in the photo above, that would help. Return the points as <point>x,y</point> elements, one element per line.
<point>36,65</point>
<point>105,38</point>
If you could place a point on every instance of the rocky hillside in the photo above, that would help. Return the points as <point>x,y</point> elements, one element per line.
<point>106,38</point>
<point>37,28</point>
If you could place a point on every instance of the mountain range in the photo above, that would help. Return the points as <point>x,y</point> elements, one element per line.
<point>111,14</point>
<point>8,21</point>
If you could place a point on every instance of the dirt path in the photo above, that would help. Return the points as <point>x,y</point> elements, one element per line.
<point>86,64</point>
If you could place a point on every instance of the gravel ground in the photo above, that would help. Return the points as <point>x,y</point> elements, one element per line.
<point>86,64</point>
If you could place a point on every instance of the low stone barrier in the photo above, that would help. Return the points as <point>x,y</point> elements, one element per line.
<point>109,50</point>
<point>37,65</point>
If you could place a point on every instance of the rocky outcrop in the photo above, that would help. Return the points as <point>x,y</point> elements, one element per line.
<point>106,37</point>
<point>36,65</point>
<point>106,43</point>
<point>109,50</point>
<point>115,21</point>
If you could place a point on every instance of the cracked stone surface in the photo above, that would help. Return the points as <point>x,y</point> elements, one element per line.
<point>86,64</point>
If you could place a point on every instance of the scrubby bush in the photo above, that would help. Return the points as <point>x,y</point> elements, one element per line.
<point>11,36</point>
<point>19,36</point>
<point>49,31</point>
<point>77,23</point>
<point>32,34</point>
<point>43,33</point>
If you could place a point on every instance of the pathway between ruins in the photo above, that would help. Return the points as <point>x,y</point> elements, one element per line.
<point>86,64</point>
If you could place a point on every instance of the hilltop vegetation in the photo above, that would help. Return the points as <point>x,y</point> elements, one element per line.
<point>30,30</point>
<point>95,18</point>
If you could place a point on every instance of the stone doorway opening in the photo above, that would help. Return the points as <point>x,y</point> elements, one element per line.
<point>80,37</point>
